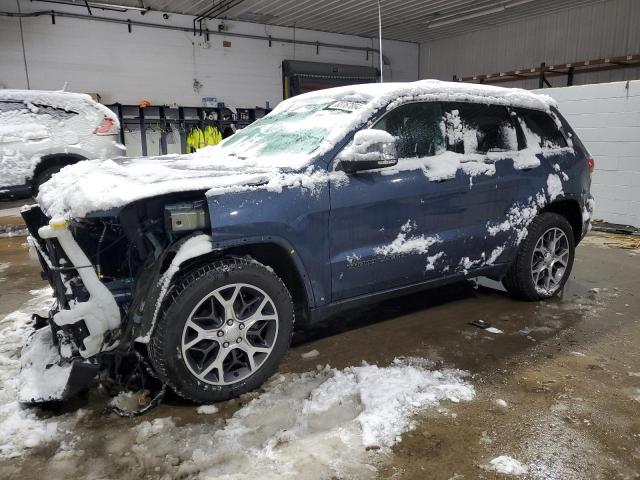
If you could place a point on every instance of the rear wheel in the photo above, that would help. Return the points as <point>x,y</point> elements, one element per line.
<point>545,259</point>
<point>223,331</point>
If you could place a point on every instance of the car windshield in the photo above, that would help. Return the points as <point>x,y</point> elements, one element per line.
<point>293,134</point>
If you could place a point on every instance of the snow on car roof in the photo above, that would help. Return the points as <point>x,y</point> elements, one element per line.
<point>69,101</point>
<point>380,94</point>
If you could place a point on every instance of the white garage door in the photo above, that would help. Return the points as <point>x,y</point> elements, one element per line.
<point>607,118</point>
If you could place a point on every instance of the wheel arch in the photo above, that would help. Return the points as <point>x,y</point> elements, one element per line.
<point>56,159</point>
<point>570,209</point>
<point>275,254</point>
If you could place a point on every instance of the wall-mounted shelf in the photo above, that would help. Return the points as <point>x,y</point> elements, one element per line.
<point>562,69</point>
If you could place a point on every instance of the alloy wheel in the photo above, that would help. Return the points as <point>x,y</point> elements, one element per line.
<point>549,261</point>
<point>229,334</point>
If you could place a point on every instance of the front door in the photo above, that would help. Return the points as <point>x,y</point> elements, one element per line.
<point>427,216</point>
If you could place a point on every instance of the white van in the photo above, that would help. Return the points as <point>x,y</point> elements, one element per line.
<point>43,131</point>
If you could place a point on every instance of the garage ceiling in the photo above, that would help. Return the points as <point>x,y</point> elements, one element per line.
<point>407,20</point>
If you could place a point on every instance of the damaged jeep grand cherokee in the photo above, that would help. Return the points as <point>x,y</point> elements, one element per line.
<point>198,264</point>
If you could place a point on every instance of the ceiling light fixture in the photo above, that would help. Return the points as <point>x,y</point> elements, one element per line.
<point>469,16</point>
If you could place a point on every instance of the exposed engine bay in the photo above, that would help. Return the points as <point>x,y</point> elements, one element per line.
<point>105,272</point>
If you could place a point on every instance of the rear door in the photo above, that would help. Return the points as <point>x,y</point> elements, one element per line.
<point>543,153</point>
<point>486,139</point>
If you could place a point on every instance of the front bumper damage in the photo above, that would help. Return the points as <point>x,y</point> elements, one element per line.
<point>45,376</point>
<point>100,313</point>
<point>61,358</point>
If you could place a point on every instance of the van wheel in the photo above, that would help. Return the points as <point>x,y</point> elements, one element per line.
<point>222,331</point>
<point>44,176</point>
<point>544,261</point>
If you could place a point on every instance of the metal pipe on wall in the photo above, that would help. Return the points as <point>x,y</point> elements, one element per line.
<point>136,23</point>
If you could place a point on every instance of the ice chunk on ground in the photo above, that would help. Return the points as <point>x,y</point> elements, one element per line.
<point>146,430</point>
<point>493,330</point>
<point>207,409</point>
<point>310,354</point>
<point>508,466</point>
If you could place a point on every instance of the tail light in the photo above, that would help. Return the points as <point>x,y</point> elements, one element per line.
<point>107,127</point>
<point>591,164</point>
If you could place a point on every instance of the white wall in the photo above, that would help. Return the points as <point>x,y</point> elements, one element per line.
<point>605,29</point>
<point>606,117</point>
<point>160,65</point>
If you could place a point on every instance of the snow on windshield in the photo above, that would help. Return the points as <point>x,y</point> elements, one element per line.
<point>291,134</point>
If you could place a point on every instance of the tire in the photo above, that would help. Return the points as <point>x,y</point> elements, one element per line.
<point>185,348</point>
<point>44,176</point>
<point>533,263</point>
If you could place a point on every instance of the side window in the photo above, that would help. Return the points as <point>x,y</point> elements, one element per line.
<point>11,106</point>
<point>417,128</point>
<point>540,129</point>
<point>479,128</point>
<point>28,107</point>
<point>54,112</point>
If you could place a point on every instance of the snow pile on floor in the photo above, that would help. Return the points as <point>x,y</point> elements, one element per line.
<point>324,423</point>
<point>508,466</point>
<point>327,423</point>
<point>20,428</point>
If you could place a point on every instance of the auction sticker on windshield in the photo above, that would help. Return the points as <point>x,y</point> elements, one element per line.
<point>344,105</point>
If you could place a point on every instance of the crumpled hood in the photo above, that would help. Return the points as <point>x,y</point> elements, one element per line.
<point>98,185</point>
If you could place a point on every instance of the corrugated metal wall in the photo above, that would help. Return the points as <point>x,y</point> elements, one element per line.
<point>605,29</point>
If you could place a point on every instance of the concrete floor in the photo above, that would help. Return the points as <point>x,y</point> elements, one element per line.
<point>568,370</point>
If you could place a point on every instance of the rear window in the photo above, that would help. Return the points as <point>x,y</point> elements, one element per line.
<point>540,129</point>
<point>479,128</point>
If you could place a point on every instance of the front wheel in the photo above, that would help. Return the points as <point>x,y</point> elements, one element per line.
<point>223,330</point>
<point>545,259</point>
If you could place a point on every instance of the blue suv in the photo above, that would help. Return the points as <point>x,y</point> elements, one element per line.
<point>198,265</point>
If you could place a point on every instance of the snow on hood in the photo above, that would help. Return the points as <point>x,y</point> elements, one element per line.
<point>100,185</point>
<point>97,185</point>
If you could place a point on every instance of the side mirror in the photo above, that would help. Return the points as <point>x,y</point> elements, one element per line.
<point>370,149</point>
